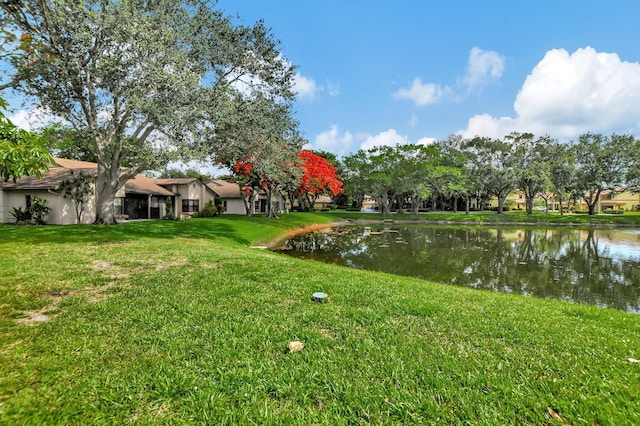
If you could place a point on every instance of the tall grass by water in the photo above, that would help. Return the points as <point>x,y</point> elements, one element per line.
<point>185,322</point>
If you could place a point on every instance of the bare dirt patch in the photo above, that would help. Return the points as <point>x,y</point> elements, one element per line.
<point>32,318</point>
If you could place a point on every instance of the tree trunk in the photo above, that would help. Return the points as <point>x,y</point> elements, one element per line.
<point>271,213</point>
<point>467,206</point>
<point>384,204</point>
<point>529,204</point>
<point>248,201</point>
<point>455,203</point>
<point>561,207</point>
<point>415,205</point>
<point>501,199</point>
<point>107,187</point>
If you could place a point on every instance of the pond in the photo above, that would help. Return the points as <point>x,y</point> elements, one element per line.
<point>598,266</point>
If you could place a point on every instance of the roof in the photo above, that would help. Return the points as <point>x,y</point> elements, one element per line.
<point>175,181</point>
<point>61,171</point>
<point>224,189</point>
<point>51,179</point>
<point>144,185</point>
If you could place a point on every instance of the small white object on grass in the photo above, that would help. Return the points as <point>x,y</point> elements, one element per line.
<point>319,297</point>
<point>295,346</point>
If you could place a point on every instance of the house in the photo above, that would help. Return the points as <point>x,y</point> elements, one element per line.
<point>142,198</point>
<point>625,200</point>
<point>230,195</point>
<point>191,194</point>
<point>231,198</point>
<point>139,198</point>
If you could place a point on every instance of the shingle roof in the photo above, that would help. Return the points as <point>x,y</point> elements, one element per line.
<point>225,189</point>
<point>175,181</point>
<point>57,173</point>
<point>144,185</point>
<point>52,178</point>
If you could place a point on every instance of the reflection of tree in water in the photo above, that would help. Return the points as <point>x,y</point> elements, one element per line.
<point>559,263</point>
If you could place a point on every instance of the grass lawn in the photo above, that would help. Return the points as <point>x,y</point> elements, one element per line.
<point>186,323</point>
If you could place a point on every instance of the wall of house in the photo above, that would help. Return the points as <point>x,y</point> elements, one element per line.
<point>233,206</point>
<point>193,191</point>
<point>62,210</point>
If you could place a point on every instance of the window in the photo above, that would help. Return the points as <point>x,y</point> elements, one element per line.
<point>189,206</point>
<point>224,204</point>
<point>27,201</point>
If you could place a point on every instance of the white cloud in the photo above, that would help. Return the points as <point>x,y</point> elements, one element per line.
<point>426,141</point>
<point>305,88</point>
<point>389,138</point>
<point>569,94</point>
<point>482,67</point>
<point>35,118</point>
<point>331,140</point>
<point>413,121</point>
<point>423,93</point>
<point>345,143</point>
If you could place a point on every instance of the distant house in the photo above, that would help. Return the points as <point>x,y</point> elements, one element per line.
<point>229,194</point>
<point>140,198</point>
<point>231,198</point>
<point>191,194</point>
<point>609,200</point>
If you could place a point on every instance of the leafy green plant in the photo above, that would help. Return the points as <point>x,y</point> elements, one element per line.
<point>39,210</point>
<point>209,210</point>
<point>77,188</point>
<point>20,216</point>
<point>169,215</point>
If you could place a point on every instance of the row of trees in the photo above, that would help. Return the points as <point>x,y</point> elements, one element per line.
<point>477,169</point>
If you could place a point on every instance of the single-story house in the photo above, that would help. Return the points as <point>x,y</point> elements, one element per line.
<point>139,198</point>
<point>191,194</point>
<point>230,195</point>
<point>231,198</point>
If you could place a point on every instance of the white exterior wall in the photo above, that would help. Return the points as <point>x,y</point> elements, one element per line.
<point>234,206</point>
<point>193,191</point>
<point>62,210</point>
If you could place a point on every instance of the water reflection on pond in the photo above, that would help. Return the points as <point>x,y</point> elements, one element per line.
<point>597,267</point>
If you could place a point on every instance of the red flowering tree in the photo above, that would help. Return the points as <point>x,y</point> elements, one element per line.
<point>319,177</point>
<point>259,143</point>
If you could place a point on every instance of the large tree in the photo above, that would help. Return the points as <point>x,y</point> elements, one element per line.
<point>147,80</point>
<point>532,165</point>
<point>318,177</point>
<point>495,161</point>
<point>602,164</point>
<point>258,141</point>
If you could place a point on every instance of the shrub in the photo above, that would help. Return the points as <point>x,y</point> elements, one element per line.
<point>210,209</point>
<point>325,209</point>
<point>20,216</point>
<point>613,212</point>
<point>39,210</point>
<point>169,215</point>
<point>353,209</point>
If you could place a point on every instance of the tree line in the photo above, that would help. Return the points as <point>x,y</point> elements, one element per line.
<point>474,170</point>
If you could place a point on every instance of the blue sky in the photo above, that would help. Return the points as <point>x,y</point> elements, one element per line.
<point>385,72</point>
<point>411,71</point>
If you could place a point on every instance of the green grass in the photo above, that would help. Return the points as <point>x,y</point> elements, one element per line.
<point>184,323</point>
